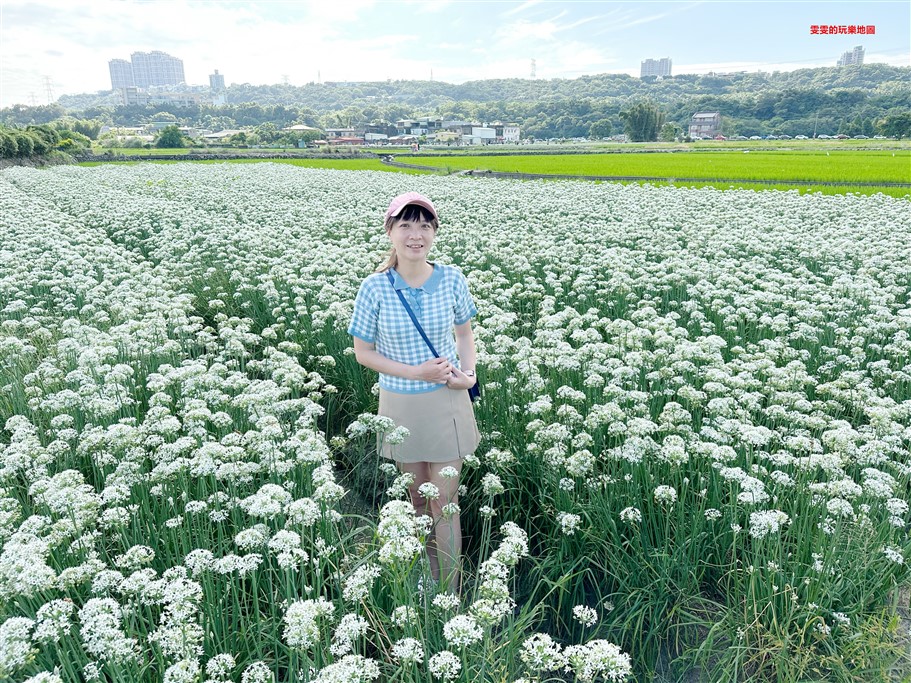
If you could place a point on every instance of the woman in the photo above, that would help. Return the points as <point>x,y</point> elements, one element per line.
<point>426,395</point>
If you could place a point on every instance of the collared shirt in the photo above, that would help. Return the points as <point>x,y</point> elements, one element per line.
<point>380,318</point>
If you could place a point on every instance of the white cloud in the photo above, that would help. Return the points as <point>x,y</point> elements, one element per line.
<point>896,58</point>
<point>520,8</point>
<point>71,41</point>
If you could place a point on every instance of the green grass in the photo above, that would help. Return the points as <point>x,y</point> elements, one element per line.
<point>897,192</point>
<point>341,164</point>
<point>836,166</point>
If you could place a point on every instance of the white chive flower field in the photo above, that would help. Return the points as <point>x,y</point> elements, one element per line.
<point>696,421</point>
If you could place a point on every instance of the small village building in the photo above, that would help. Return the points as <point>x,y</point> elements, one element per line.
<point>221,136</point>
<point>705,124</point>
<point>301,128</point>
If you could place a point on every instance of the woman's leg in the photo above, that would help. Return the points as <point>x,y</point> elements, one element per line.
<point>447,536</point>
<point>444,544</point>
<point>421,473</point>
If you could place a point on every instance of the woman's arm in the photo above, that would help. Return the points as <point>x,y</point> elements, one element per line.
<point>367,355</point>
<point>465,346</point>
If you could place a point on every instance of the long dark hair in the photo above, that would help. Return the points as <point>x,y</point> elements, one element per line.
<point>412,212</point>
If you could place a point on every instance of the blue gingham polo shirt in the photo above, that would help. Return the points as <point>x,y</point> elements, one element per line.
<point>380,318</point>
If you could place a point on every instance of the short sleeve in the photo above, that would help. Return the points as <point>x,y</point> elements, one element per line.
<point>366,313</point>
<point>464,306</point>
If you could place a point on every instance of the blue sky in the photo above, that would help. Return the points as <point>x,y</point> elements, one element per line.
<point>68,43</point>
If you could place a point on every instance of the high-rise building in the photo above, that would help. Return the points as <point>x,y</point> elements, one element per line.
<point>121,74</point>
<point>156,68</point>
<point>656,67</point>
<point>217,81</point>
<point>855,56</point>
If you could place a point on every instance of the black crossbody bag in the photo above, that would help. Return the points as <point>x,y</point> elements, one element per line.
<point>474,393</point>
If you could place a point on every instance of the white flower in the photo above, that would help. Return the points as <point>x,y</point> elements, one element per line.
<point>101,631</point>
<point>53,621</point>
<point>894,554</point>
<point>491,484</point>
<point>462,630</point>
<point>350,628</point>
<point>257,672</point>
<point>666,494</point>
<point>541,654</point>
<point>252,538</point>
<point>397,436</point>
<point>429,491</point>
<point>136,556</point>
<point>184,671</point>
<point>631,515</point>
<point>568,523</point>
<point>450,510</point>
<point>585,615</point>
<point>357,586</point>
<point>487,511</point>
<point>44,677</point>
<point>408,651</point>
<point>449,472</point>
<point>349,669</point>
<point>16,648</point>
<point>446,601</point>
<point>598,658</point>
<point>404,616</point>
<point>767,522</point>
<point>444,665</point>
<point>220,665</point>
<point>897,507</point>
<point>301,622</point>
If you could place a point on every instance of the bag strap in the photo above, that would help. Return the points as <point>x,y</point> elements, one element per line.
<point>411,314</point>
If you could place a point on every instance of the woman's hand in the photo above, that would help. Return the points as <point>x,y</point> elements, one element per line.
<point>437,370</point>
<point>459,380</point>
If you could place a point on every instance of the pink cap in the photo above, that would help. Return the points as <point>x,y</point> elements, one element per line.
<point>403,200</point>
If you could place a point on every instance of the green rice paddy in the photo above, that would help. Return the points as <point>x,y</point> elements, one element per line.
<point>835,171</point>
<point>836,166</point>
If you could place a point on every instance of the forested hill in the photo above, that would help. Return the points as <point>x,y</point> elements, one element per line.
<point>322,97</point>
<point>827,99</point>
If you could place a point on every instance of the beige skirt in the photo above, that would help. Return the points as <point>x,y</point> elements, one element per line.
<point>441,425</point>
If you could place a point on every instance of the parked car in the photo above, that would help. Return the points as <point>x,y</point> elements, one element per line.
<point>740,137</point>
<point>880,137</point>
<point>841,136</point>
<point>755,137</point>
<point>861,137</point>
<point>784,137</point>
<point>823,137</point>
<point>801,137</point>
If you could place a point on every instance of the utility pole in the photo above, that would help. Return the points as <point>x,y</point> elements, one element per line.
<point>534,69</point>
<point>49,89</point>
<point>814,123</point>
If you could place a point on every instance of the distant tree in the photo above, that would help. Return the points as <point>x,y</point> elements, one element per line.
<point>170,137</point>
<point>267,132</point>
<point>896,124</point>
<point>25,144</point>
<point>44,138</point>
<point>239,138</point>
<point>71,141</point>
<point>163,116</point>
<point>601,128</point>
<point>88,127</point>
<point>669,132</point>
<point>642,121</point>
<point>9,148</point>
